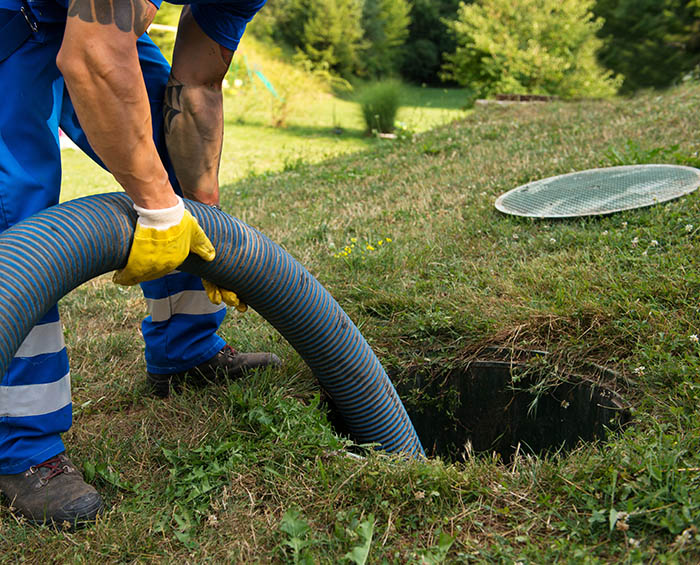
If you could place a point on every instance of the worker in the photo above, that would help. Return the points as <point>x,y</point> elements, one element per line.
<point>88,67</point>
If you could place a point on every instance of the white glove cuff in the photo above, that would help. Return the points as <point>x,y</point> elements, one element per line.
<point>161,219</point>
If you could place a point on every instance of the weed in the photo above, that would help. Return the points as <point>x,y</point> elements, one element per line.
<point>359,554</point>
<point>297,532</point>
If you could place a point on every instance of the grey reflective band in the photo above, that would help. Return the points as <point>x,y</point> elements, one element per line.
<point>34,400</point>
<point>43,339</point>
<point>185,302</point>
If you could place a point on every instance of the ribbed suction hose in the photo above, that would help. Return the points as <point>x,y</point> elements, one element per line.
<point>49,254</point>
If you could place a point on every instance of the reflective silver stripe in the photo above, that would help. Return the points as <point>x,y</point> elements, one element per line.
<point>185,302</point>
<point>34,400</point>
<point>46,338</point>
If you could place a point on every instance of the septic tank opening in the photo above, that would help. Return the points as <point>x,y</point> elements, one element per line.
<point>503,407</point>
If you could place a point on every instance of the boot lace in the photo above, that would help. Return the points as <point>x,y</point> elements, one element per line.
<point>55,466</point>
<point>229,351</point>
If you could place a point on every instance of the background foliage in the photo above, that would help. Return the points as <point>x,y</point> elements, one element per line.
<point>386,28</point>
<point>529,47</point>
<point>651,42</point>
<point>428,39</point>
<point>380,104</point>
<point>349,37</point>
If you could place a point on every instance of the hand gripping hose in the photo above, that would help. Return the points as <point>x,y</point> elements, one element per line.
<point>49,254</point>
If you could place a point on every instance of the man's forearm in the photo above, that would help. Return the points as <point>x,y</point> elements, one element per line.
<point>194,135</point>
<point>103,76</point>
<point>193,110</point>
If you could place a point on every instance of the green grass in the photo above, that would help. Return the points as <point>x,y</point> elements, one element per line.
<point>252,472</point>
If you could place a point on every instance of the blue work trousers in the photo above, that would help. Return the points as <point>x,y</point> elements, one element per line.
<point>180,333</point>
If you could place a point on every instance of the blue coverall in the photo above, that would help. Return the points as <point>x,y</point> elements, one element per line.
<point>180,331</point>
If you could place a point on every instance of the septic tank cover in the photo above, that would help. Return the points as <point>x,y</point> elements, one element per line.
<point>599,191</point>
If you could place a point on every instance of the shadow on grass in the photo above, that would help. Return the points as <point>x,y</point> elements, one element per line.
<point>294,130</point>
<point>422,97</point>
<point>428,97</point>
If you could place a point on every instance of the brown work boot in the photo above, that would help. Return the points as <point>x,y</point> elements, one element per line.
<point>52,492</point>
<point>226,364</point>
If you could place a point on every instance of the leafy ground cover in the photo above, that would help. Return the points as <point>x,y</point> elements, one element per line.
<point>405,236</point>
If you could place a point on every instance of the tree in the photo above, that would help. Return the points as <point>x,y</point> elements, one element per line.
<point>651,42</point>
<point>428,39</point>
<point>333,33</point>
<point>529,47</point>
<point>385,24</point>
<point>326,33</point>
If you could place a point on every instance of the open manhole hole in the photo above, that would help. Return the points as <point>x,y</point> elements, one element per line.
<point>504,406</point>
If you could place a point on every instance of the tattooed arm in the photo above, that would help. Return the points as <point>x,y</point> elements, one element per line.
<point>99,62</point>
<point>193,110</point>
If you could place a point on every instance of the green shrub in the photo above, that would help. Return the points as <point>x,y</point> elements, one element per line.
<point>529,47</point>
<point>380,103</point>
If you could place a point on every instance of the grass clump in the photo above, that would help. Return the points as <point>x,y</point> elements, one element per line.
<point>380,103</point>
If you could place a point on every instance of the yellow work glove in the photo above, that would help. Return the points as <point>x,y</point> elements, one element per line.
<point>162,241</point>
<point>217,295</point>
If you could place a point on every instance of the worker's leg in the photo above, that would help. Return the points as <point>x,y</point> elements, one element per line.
<point>35,405</point>
<point>180,332</point>
<point>40,481</point>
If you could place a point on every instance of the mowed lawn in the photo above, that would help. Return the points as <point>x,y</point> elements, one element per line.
<point>253,472</point>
